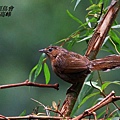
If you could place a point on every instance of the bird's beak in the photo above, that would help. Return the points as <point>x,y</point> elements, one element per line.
<point>42,50</point>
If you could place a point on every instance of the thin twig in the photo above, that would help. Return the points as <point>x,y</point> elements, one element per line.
<point>111,114</point>
<point>28,83</point>
<point>45,107</point>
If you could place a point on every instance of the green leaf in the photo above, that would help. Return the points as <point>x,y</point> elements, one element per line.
<point>78,1</point>
<point>39,66</point>
<point>106,39</point>
<point>46,73</point>
<point>89,84</point>
<point>23,113</point>
<point>92,20</point>
<point>37,72</point>
<point>74,18</point>
<point>118,48</point>
<point>60,41</point>
<point>86,90</point>
<point>91,1</point>
<point>114,37</point>
<point>87,97</point>
<point>85,38</point>
<point>94,7</point>
<point>105,85</point>
<point>70,44</point>
<point>89,23</point>
<point>116,26</point>
<point>32,71</point>
<point>101,114</point>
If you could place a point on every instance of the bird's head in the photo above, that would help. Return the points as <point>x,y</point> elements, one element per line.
<point>53,51</point>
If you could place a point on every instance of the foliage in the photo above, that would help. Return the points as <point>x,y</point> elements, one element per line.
<point>38,68</point>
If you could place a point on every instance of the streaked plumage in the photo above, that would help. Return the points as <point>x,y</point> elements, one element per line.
<point>73,67</point>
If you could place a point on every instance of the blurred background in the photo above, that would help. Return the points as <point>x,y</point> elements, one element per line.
<point>34,25</point>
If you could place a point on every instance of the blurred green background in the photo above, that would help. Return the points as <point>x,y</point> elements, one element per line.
<point>35,24</point>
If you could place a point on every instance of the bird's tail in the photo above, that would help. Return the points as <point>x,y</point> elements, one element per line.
<point>106,63</point>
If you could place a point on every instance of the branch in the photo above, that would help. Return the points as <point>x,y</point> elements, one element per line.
<point>29,117</point>
<point>28,83</point>
<point>91,111</point>
<point>70,100</point>
<point>108,99</point>
<point>102,29</point>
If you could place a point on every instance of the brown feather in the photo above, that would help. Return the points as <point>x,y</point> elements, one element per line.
<point>73,67</point>
<point>106,63</point>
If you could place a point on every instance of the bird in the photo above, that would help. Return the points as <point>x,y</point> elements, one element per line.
<point>73,67</point>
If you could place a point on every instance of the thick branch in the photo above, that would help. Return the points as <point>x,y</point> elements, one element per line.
<point>70,100</point>
<point>102,29</point>
<point>28,83</point>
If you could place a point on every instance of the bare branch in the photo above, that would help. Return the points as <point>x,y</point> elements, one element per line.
<point>28,83</point>
<point>33,117</point>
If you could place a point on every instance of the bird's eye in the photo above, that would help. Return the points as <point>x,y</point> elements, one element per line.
<point>50,49</point>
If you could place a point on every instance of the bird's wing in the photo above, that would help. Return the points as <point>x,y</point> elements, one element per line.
<point>73,64</point>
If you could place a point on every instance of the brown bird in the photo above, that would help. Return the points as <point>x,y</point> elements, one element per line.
<point>73,67</point>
